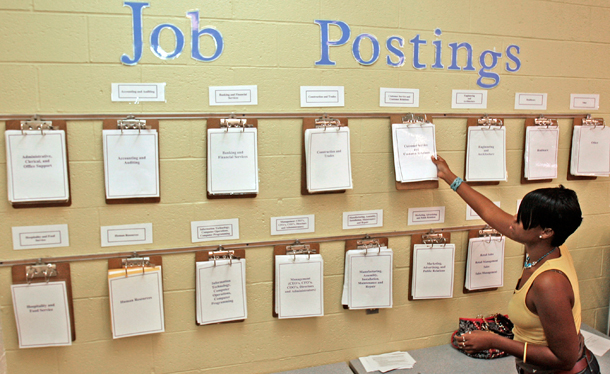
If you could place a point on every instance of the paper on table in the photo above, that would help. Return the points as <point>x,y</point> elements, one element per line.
<point>414,145</point>
<point>541,149</point>
<point>369,277</point>
<point>232,161</point>
<point>36,166</point>
<point>221,291</point>
<point>433,267</point>
<point>388,361</point>
<point>485,264</point>
<point>136,301</point>
<point>486,153</point>
<point>328,159</point>
<point>590,151</point>
<point>596,344</point>
<point>299,286</point>
<point>131,163</point>
<point>42,314</point>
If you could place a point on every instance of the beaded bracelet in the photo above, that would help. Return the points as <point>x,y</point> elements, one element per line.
<point>456,183</point>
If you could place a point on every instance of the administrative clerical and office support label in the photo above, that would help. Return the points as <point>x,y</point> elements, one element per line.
<point>221,229</point>
<point>221,291</point>
<point>37,166</point>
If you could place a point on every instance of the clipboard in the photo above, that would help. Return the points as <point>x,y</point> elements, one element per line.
<point>484,121</point>
<point>297,248</point>
<point>431,237</point>
<point>45,272</point>
<point>490,232</point>
<point>365,243</point>
<point>421,185</point>
<point>56,125</point>
<point>579,121</point>
<point>131,123</point>
<point>232,122</point>
<point>540,121</point>
<point>312,123</point>
<point>133,262</point>
<point>219,253</point>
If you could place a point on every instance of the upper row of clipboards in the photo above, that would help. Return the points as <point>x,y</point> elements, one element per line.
<point>325,122</point>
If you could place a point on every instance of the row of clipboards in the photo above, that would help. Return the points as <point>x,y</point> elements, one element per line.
<point>44,312</point>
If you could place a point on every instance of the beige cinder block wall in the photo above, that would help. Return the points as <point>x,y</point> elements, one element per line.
<point>60,57</point>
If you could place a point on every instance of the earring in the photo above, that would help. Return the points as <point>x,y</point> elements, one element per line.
<point>540,236</point>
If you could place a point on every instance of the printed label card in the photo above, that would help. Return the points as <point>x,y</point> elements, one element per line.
<point>221,291</point>
<point>136,301</point>
<point>485,263</point>
<point>590,151</point>
<point>36,166</point>
<point>131,163</point>
<point>299,286</point>
<point>232,161</point>
<point>414,145</point>
<point>486,153</point>
<point>328,159</point>
<point>432,272</point>
<point>541,151</point>
<point>368,278</point>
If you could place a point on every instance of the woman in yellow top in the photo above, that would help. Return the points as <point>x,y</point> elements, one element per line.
<point>545,307</point>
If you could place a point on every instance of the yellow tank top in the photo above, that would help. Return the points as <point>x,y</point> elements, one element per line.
<point>527,325</point>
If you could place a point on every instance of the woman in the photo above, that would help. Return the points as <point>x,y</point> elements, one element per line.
<point>545,306</point>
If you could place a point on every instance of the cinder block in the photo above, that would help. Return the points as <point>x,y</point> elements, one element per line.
<point>20,91</point>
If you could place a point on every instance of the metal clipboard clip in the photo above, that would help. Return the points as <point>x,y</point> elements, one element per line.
<point>232,122</point>
<point>489,121</point>
<point>546,122</point>
<point>433,238</point>
<point>299,248</point>
<point>490,233</point>
<point>36,124</point>
<point>595,122</point>
<point>131,123</point>
<point>222,254</point>
<point>414,119</point>
<point>325,122</point>
<point>136,262</point>
<point>40,270</point>
<point>368,243</point>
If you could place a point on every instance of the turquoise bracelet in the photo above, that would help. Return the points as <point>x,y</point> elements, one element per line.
<point>456,183</point>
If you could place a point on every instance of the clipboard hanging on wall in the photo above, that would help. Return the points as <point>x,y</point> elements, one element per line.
<point>540,150</point>
<point>485,151</point>
<point>220,289</point>
<point>484,265</point>
<point>232,158</point>
<point>298,284</point>
<point>368,274</point>
<point>412,165</point>
<point>38,171</point>
<point>131,160</point>
<point>432,266</point>
<point>582,123</point>
<point>42,302</point>
<point>325,157</point>
<point>135,290</point>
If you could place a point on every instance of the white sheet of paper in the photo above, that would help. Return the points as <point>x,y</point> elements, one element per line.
<point>370,278</point>
<point>299,286</point>
<point>131,163</point>
<point>232,161</point>
<point>221,291</point>
<point>597,344</point>
<point>136,301</point>
<point>541,150</point>
<point>414,145</point>
<point>433,268</point>
<point>590,151</point>
<point>328,159</point>
<point>485,264</point>
<point>486,153</point>
<point>387,362</point>
<point>42,314</point>
<point>36,166</point>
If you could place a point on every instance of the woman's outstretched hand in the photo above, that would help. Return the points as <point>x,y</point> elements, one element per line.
<point>443,169</point>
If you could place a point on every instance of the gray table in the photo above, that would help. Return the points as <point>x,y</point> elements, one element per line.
<point>445,359</point>
<point>338,368</point>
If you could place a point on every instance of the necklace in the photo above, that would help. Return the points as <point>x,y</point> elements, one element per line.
<point>529,264</point>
